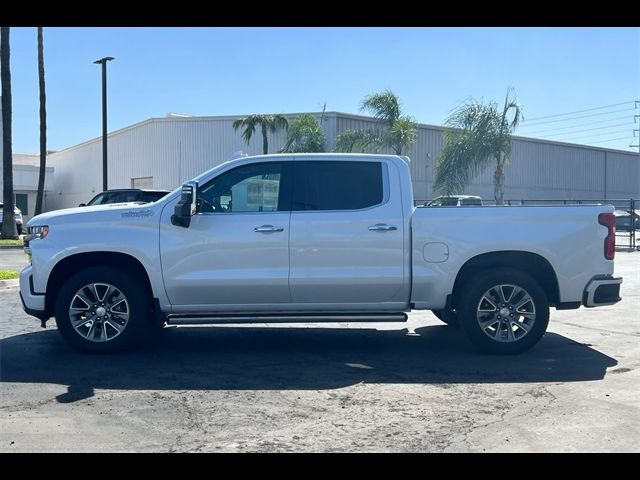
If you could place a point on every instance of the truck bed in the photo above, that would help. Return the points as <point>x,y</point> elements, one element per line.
<point>445,238</point>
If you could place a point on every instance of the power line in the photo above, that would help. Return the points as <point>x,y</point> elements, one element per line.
<point>606,141</point>
<point>586,130</point>
<point>555,129</point>
<point>576,118</point>
<point>580,111</point>
<point>596,135</point>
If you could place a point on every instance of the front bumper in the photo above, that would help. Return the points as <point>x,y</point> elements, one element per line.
<point>602,290</point>
<point>32,302</point>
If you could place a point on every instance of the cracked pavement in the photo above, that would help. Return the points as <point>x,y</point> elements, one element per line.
<point>376,387</point>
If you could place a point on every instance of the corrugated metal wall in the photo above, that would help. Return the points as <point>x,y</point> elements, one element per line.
<point>543,170</point>
<point>170,150</point>
<point>623,174</point>
<point>78,175</point>
<point>176,149</point>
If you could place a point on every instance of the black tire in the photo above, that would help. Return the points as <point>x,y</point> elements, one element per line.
<point>468,305</point>
<point>451,319</point>
<point>138,307</point>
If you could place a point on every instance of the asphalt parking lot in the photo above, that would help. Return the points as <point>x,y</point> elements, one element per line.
<point>399,387</point>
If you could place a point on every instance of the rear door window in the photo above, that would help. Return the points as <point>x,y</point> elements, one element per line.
<point>337,185</point>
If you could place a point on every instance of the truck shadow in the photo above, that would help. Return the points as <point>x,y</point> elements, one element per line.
<point>203,358</point>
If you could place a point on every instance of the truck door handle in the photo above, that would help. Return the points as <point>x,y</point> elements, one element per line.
<point>268,229</point>
<point>382,227</point>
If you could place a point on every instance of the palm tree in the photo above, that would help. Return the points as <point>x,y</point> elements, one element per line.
<point>476,135</point>
<point>304,135</point>
<point>43,125</point>
<point>399,132</point>
<point>9,229</point>
<point>384,106</point>
<point>402,135</point>
<point>266,122</point>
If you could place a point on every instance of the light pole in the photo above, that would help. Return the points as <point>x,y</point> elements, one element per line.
<point>103,62</point>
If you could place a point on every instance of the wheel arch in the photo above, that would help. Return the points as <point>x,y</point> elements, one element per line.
<point>75,263</point>
<point>532,264</point>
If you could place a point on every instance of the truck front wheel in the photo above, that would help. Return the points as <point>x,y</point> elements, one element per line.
<point>101,310</point>
<point>503,311</point>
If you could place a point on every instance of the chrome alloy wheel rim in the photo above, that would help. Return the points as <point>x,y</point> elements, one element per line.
<point>506,313</point>
<point>99,312</point>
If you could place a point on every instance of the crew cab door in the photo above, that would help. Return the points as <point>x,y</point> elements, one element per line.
<point>236,249</point>
<point>347,235</point>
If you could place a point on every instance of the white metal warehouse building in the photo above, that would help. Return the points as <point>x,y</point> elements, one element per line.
<point>163,152</point>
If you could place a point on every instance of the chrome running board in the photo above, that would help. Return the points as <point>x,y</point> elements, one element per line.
<point>285,318</point>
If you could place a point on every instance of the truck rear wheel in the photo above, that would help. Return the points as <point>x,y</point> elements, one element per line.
<point>503,311</point>
<point>102,310</point>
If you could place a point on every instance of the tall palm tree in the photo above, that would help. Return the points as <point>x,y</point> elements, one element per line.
<point>477,134</point>
<point>384,106</point>
<point>9,229</point>
<point>43,125</point>
<point>304,135</point>
<point>266,123</point>
<point>399,132</point>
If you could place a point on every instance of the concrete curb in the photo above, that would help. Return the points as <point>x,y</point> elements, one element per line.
<point>14,282</point>
<point>8,247</point>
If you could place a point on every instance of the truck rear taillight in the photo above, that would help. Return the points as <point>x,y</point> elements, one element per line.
<point>609,221</point>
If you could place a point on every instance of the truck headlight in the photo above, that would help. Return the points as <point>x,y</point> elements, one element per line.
<point>39,231</point>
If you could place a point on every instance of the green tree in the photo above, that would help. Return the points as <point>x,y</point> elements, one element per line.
<point>43,125</point>
<point>398,132</point>
<point>9,229</point>
<point>267,123</point>
<point>304,135</point>
<point>477,134</point>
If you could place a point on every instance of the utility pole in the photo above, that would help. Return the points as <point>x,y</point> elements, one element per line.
<point>103,61</point>
<point>636,119</point>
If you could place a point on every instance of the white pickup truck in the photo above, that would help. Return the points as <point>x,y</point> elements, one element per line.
<point>314,237</point>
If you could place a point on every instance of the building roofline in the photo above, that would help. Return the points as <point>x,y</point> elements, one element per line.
<point>515,137</point>
<point>326,114</point>
<point>97,139</point>
<point>568,144</point>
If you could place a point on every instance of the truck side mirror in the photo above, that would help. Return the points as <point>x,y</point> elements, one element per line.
<point>186,207</point>
<point>82,205</point>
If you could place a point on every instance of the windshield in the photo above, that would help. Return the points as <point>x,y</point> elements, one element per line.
<point>103,198</point>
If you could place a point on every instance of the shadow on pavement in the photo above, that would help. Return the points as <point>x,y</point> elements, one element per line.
<point>203,358</point>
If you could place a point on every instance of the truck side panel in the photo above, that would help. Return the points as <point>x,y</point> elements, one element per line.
<point>445,238</point>
<point>131,230</point>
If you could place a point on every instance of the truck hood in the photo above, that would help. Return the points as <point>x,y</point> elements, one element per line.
<point>98,212</point>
